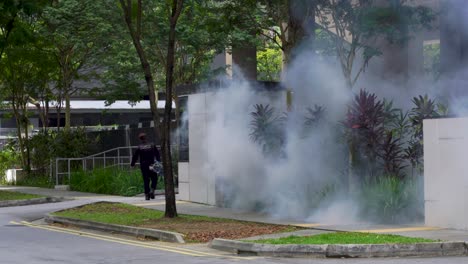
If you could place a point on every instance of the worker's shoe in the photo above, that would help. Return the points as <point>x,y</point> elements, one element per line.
<point>147,197</point>
<point>151,194</point>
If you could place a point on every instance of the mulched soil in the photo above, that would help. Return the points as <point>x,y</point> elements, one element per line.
<point>206,231</point>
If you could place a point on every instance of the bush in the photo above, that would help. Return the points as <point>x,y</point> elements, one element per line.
<point>9,158</point>
<point>113,181</point>
<point>48,145</point>
<point>392,200</point>
<point>36,179</point>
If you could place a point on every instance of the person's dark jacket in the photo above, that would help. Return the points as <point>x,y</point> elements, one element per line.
<point>147,152</point>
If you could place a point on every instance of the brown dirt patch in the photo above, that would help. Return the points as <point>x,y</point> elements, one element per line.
<point>206,231</point>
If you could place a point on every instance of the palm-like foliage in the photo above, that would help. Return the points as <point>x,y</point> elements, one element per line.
<point>424,108</point>
<point>314,116</point>
<point>392,155</point>
<point>267,129</point>
<point>365,131</point>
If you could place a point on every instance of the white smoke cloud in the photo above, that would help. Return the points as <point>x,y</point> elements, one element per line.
<point>293,187</point>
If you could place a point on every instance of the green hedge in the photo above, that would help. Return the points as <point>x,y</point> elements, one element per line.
<point>113,181</point>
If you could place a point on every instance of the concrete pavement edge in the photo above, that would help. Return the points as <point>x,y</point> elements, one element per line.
<point>435,249</point>
<point>33,201</point>
<point>161,235</point>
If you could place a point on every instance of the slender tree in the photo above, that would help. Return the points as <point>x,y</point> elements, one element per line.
<point>175,11</point>
<point>133,16</point>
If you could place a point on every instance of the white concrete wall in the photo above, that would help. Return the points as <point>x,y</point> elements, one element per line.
<point>446,172</point>
<point>184,181</point>
<point>196,183</point>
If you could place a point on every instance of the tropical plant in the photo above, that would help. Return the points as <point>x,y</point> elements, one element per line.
<point>424,108</point>
<point>314,116</point>
<point>392,156</point>
<point>267,130</point>
<point>364,132</point>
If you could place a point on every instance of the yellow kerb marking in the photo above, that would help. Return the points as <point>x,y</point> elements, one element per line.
<point>159,246</point>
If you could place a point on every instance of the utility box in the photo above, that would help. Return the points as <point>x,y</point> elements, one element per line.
<point>446,172</point>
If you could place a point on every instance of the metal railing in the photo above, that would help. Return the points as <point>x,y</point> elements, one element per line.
<point>116,157</point>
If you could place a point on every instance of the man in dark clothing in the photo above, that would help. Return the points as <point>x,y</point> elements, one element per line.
<point>147,152</point>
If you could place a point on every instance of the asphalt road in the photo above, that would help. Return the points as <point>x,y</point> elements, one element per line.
<point>25,239</point>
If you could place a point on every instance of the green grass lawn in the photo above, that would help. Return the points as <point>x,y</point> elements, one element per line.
<point>126,214</point>
<point>8,196</point>
<point>120,214</point>
<point>345,238</point>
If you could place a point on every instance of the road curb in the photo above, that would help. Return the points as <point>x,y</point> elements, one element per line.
<point>161,235</point>
<point>435,249</point>
<point>32,201</point>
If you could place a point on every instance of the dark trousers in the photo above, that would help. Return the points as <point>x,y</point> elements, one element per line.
<point>148,176</point>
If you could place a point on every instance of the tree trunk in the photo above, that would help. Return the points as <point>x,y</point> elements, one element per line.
<point>171,210</point>
<point>352,188</point>
<point>26,140</point>
<point>18,133</point>
<point>136,35</point>
<point>300,32</point>
<point>46,114</point>
<point>67,111</point>
<point>42,117</point>
<point>149,84</point>
<point>59,111</point>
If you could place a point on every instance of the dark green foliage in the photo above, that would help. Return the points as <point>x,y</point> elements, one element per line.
<point>36,179</point>
<point>113,181</point>
<point>14,26</point>
<point>48,145</point>
<point>424,108</point>
<point>267,130</point>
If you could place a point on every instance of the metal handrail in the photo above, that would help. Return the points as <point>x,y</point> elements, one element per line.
<point>84,164</point>
<point>122,160</point>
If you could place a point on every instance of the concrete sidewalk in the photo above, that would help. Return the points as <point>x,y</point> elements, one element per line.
<point>184,207</point>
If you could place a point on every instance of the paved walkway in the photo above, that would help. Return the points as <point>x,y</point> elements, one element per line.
<point>184,207</point>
